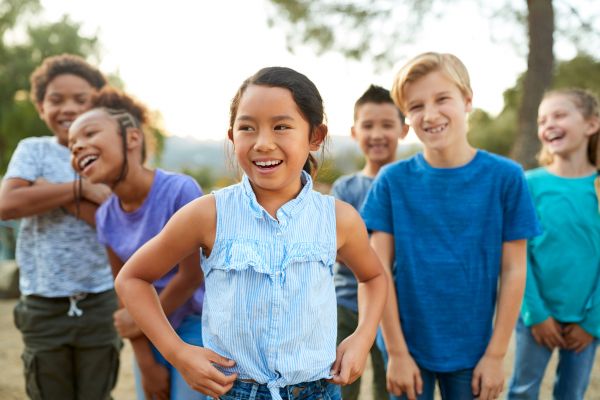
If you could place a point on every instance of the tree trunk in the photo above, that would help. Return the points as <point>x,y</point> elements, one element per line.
<point>540,62</point>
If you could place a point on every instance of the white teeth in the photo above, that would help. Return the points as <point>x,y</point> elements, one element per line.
<point>437,129</point>
<point>554,135</point>
<point>66,124</point>
<point>267,163</point>
<point>87,160</point>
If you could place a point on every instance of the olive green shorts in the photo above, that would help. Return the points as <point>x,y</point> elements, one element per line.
<point>71,347</point>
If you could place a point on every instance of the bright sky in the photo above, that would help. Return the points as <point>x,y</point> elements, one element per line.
<point>187,58</point>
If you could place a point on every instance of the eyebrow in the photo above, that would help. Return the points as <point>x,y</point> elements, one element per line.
<point>275,118</point>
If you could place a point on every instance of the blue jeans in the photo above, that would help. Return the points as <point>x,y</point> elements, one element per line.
<point>317,390</point>
<point>455,385</point>
<point>531,359</point>
<point>190,332</point>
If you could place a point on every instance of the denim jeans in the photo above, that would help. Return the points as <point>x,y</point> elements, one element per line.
<point>531,359</point>
<point>190,332</point>
<point>455,385</point>
<point>317,390</point>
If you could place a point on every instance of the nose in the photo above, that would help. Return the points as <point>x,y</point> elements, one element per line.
<point>71,106</point>
<point>430,112</point>
<point>264,140</point>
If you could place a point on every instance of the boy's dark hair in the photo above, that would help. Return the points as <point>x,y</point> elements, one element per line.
<point>378,95</point>
<point>63,64</point>
<point>304,92</point>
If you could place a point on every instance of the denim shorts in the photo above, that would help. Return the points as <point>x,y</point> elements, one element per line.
<point>317,390</point>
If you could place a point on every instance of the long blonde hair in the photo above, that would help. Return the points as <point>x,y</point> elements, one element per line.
<point>588,105</point>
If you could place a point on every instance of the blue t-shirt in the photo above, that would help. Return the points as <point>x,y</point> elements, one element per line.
<point>125,232</point>
<point>352,189</point>
<point>449,225</point>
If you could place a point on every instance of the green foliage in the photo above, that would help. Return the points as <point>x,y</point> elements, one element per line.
<point>18,117</point>
<point>204,176</point>
<point>498,134</point>
<point>328,172</point>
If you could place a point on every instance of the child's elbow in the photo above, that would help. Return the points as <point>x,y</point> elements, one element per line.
<point>8,212</point>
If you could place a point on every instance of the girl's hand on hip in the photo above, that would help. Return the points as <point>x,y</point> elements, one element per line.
<point>197,366</point>
<point>350,359</point>
<point>125,325</point>
<point>488,378</point>
<point>576,338</point>
<point>548,333</point>
<point>155,381</point>
<point>404,376</point>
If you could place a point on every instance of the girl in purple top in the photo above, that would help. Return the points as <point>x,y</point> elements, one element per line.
<point>107,146</point>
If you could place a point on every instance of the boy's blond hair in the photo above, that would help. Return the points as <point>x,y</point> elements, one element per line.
<point>424,64</point>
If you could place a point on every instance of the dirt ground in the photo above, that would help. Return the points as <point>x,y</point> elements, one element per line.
<point>12,386</point>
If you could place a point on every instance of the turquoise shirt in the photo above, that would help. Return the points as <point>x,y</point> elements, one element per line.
<point>563,263</point>
<point>270,296</point>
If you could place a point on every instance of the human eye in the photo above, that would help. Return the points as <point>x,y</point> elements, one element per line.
<point>282,127</point>
<point>415,107</point>
<point>82,99</point>
<point>245,128</point>
<point>367,125</point>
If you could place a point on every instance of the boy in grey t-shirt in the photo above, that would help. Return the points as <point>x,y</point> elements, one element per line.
<point>65,312</point>
<point>378,125</point>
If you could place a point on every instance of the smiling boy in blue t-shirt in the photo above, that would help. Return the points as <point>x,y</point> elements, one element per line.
<point>453,220</point>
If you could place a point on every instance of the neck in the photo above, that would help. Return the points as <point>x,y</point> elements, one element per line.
<point>449,158</point>
<point>133,190</point>
<point>273,200</point>
<point>572,166</point>
<point>371,169</point>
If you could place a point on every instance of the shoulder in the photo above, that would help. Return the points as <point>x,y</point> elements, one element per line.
<point>536,174</point>
<point>177,184</point>
<point>400,168</point>
<point>346,215</point>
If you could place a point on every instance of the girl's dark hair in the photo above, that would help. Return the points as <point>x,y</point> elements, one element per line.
<point>305,95</point>
<point>128,113</point>
<point>64,64</point>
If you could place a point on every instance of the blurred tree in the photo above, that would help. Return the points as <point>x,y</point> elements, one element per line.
<point>498,134</point>
<point>18,117</point>
<point>376,31</point>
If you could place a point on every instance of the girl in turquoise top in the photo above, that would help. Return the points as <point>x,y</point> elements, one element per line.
<point>561,308</point>
<point>269,245</point>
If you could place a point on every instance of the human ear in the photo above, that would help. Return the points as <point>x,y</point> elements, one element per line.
<point>135,138</point>
<point>39,107</point>
<point>468,104</point>
<point>318,136</point>
<point>353,132</point>
<point>230,134</point>
<point>593,126</point>
<point>404,131</point>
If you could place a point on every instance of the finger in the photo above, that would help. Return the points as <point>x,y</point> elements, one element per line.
<point>213,389</point>
<point>418,383</point>
<point>558,339</point>
<point>485,392</point>
<point>220,378</point>
<point>537,338</point>
<point>410,392</point>
<point>337,364</point>
<point>219,359</point>
<point>475,384</point>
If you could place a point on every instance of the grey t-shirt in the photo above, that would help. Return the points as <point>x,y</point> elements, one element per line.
<point>352,189</point>
<point>58,255</point>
